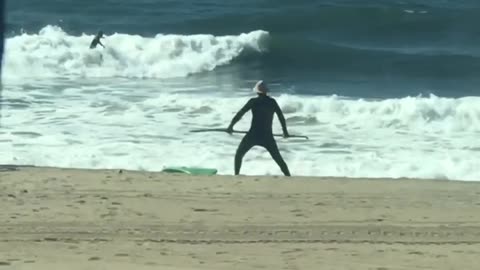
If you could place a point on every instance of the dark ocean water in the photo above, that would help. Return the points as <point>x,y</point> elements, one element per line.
<point>379,49</point>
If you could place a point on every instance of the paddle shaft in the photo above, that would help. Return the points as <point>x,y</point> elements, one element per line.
<point>242,132</point>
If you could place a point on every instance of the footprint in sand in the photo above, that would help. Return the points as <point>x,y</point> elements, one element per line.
<point>122,255</point>
<point>292,251</point>
<point>94,258</point>
<point>50,239</point>
<point>204,210</point>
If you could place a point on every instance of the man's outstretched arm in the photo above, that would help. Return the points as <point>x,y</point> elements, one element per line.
<point>239,115</point>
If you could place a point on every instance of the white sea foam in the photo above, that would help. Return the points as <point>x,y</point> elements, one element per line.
<point>54,53</point>
<point>114,127</point>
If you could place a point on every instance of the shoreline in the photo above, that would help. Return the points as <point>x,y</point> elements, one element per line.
<point>95,219</point>
<point>15,167</point>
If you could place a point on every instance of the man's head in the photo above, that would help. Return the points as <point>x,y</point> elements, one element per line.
<point>100,34</point>
<point>261,88</point>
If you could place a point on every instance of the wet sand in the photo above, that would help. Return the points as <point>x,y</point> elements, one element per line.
<point>56,218</point>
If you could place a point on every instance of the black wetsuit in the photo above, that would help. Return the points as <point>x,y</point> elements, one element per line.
<point>263,108</point>
<point>96,41</point>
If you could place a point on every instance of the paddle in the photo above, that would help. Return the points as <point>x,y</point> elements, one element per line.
<point>242,132</point>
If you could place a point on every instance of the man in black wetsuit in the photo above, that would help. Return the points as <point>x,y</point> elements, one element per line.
<point>96,40</point>
<point>263,107</point>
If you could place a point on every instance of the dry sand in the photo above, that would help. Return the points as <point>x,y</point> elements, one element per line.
<point>101,219</point>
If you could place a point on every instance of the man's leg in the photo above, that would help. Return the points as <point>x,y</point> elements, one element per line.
<point>245,145</point>
<point>272,148</point>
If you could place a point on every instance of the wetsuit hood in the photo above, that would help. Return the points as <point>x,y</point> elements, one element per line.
<point>261,87</point>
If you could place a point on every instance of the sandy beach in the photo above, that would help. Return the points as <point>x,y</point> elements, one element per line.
<point>56,218</point>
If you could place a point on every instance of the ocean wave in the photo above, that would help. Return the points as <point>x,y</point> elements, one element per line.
<point>430,113</point>
<point>343,58</point>
<point>54,53</point>
<point>422,137</point>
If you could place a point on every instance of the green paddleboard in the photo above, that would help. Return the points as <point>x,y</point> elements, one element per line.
<point>190,170</point>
